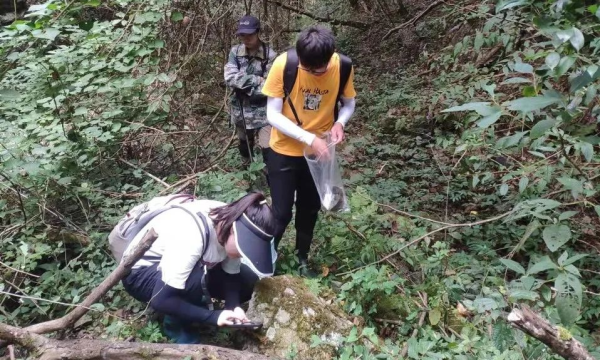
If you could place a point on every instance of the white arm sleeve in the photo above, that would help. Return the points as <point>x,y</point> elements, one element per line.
<point>285,125</point>
<point>346,111</point>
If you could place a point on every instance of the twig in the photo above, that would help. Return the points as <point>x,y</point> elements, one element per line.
<point>427,235</point>
<point>413,20</point>
<point>145,172</point>
<point>356,24</point>
<point>19,271</point>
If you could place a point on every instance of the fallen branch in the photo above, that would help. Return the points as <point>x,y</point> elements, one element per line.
<point>427,235</point>
<point>351,23</point>
<point>413,20</point>
<point>557,339</point>
<point>120,272</point>
<point>49,349</point>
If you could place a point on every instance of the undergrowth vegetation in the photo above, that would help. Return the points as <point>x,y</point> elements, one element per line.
<point>472,172</point>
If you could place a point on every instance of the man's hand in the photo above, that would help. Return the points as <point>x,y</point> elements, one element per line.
<point>337,133</point>
<point>229,317</point>
<point>319,147</point>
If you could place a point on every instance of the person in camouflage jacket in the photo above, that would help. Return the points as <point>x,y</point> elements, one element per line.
<point>245,73</point>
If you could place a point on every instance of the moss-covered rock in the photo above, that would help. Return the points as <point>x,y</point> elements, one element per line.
<point>291,314</point>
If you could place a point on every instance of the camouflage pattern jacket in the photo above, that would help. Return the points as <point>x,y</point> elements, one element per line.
<point>245,76</point>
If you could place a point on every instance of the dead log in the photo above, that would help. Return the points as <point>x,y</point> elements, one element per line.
<point>49,349</point>
<point>557,339</point>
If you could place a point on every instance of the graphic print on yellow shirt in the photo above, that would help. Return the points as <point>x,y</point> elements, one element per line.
<point>314,98</point>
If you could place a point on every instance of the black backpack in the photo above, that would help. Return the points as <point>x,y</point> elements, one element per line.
<point>290,73</point>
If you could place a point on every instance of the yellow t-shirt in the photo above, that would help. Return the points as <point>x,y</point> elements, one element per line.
<point>314,98</point>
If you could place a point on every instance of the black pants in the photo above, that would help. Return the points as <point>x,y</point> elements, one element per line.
<point>289,175</point>
<point>140,283</point>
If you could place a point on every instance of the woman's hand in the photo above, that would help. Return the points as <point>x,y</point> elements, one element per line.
<point>229,317</point>
<point>241,314</point>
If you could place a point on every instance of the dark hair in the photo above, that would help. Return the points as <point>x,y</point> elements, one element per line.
<point>250,204</point>
<point>315,46</point>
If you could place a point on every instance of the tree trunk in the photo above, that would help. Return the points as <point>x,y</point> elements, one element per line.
<point>48,349</point>
<point>556,338</point>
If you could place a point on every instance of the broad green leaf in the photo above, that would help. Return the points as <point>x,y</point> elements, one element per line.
<point>93,3</point>
<point>543,264</point>
<point>568,309</point>
<point>490,119</point>
<point>523,68</point>
<point>9,94</point>
<point>577,40</point>
<point>176,16</point>
<point>572,269</point>
<point>566,215</point>
<point>513,265</point>
<point>434,316</point>
<point>516,80</point>
<point>568,284</point>
<point>580,81</point>
<point>564,65</point>
<point>556,236</point>
<point>564,256</point>
<point>523,295</point>
<point>597,208</point>
<point>523,183</point>
<point>97,307</point>
<point>485,304</point>
<point>574,185</point>
<point>315,341</point>
<point>508,4</point>
<point>552,60</point>
<point>503,189</point>
<point>587,150</point>
<point>478,40</point>
<point>482,108</point>
<point>529,91</point>
<point>593,8</point>
<point>540,128</point>
<point>48,33</point>
<point>573,259</point>
<point>529,104</point>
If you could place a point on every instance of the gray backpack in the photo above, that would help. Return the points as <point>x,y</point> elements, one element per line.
<point>134,221</point>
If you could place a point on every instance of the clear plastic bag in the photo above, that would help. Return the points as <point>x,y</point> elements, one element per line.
<point>327,177</point>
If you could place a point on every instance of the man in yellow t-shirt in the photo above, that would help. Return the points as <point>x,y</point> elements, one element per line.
<point>314,96</point>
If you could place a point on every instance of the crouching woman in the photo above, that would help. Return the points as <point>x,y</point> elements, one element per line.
<point>189,263</point>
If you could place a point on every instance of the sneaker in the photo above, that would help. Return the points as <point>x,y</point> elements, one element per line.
<point>305,271</point>
<point>179,331</point>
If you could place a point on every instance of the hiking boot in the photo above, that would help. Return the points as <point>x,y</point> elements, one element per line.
<point>181,332</point>
<point>305,271</point>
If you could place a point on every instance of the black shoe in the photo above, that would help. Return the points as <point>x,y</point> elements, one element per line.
<point>305,271</point>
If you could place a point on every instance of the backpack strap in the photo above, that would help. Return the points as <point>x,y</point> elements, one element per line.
<point>237,51</point>
<point>290,73</point>
<point>345,70</point>
<point>265,60</point>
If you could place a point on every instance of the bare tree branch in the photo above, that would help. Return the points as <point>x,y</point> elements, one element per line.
<point>351,23</point>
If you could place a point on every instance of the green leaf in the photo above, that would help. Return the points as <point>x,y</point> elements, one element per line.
<point>552,60</point>
<point>315,341</point>
<point>434,316</point>
<point>482,108</point>
<point>478,40</point>
<point>567,308</point>
<point>593,8</point>
<point>534,225</point>
<point>97,307</point>
<point>9,94</point>
<point>516,80</point>
<point>543,264</point>
<point>573,259</point>
<point>523,295</point>
<point>566,215</point>
<point>529,91</point>
<point>574,185</point>
<point>564,65</point>
<point>93,3</point>
<point>587,150</point>
<point>580,81</point>
<point>513,265</point>
<point>597,208</point>
<point>556,236</point>
<point>523,68</point>
<point>568,284</point>
<point>48,33</point>
<point>529,104</point>
<point>176,16</point>
<point>577,40</point>
<point>540,128</point>
<point>523,183</point>
<point>485,304</point>
<point>564,256</point>
<point>503,189</point>
<point>490,119</point>
<point>508,4</point>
